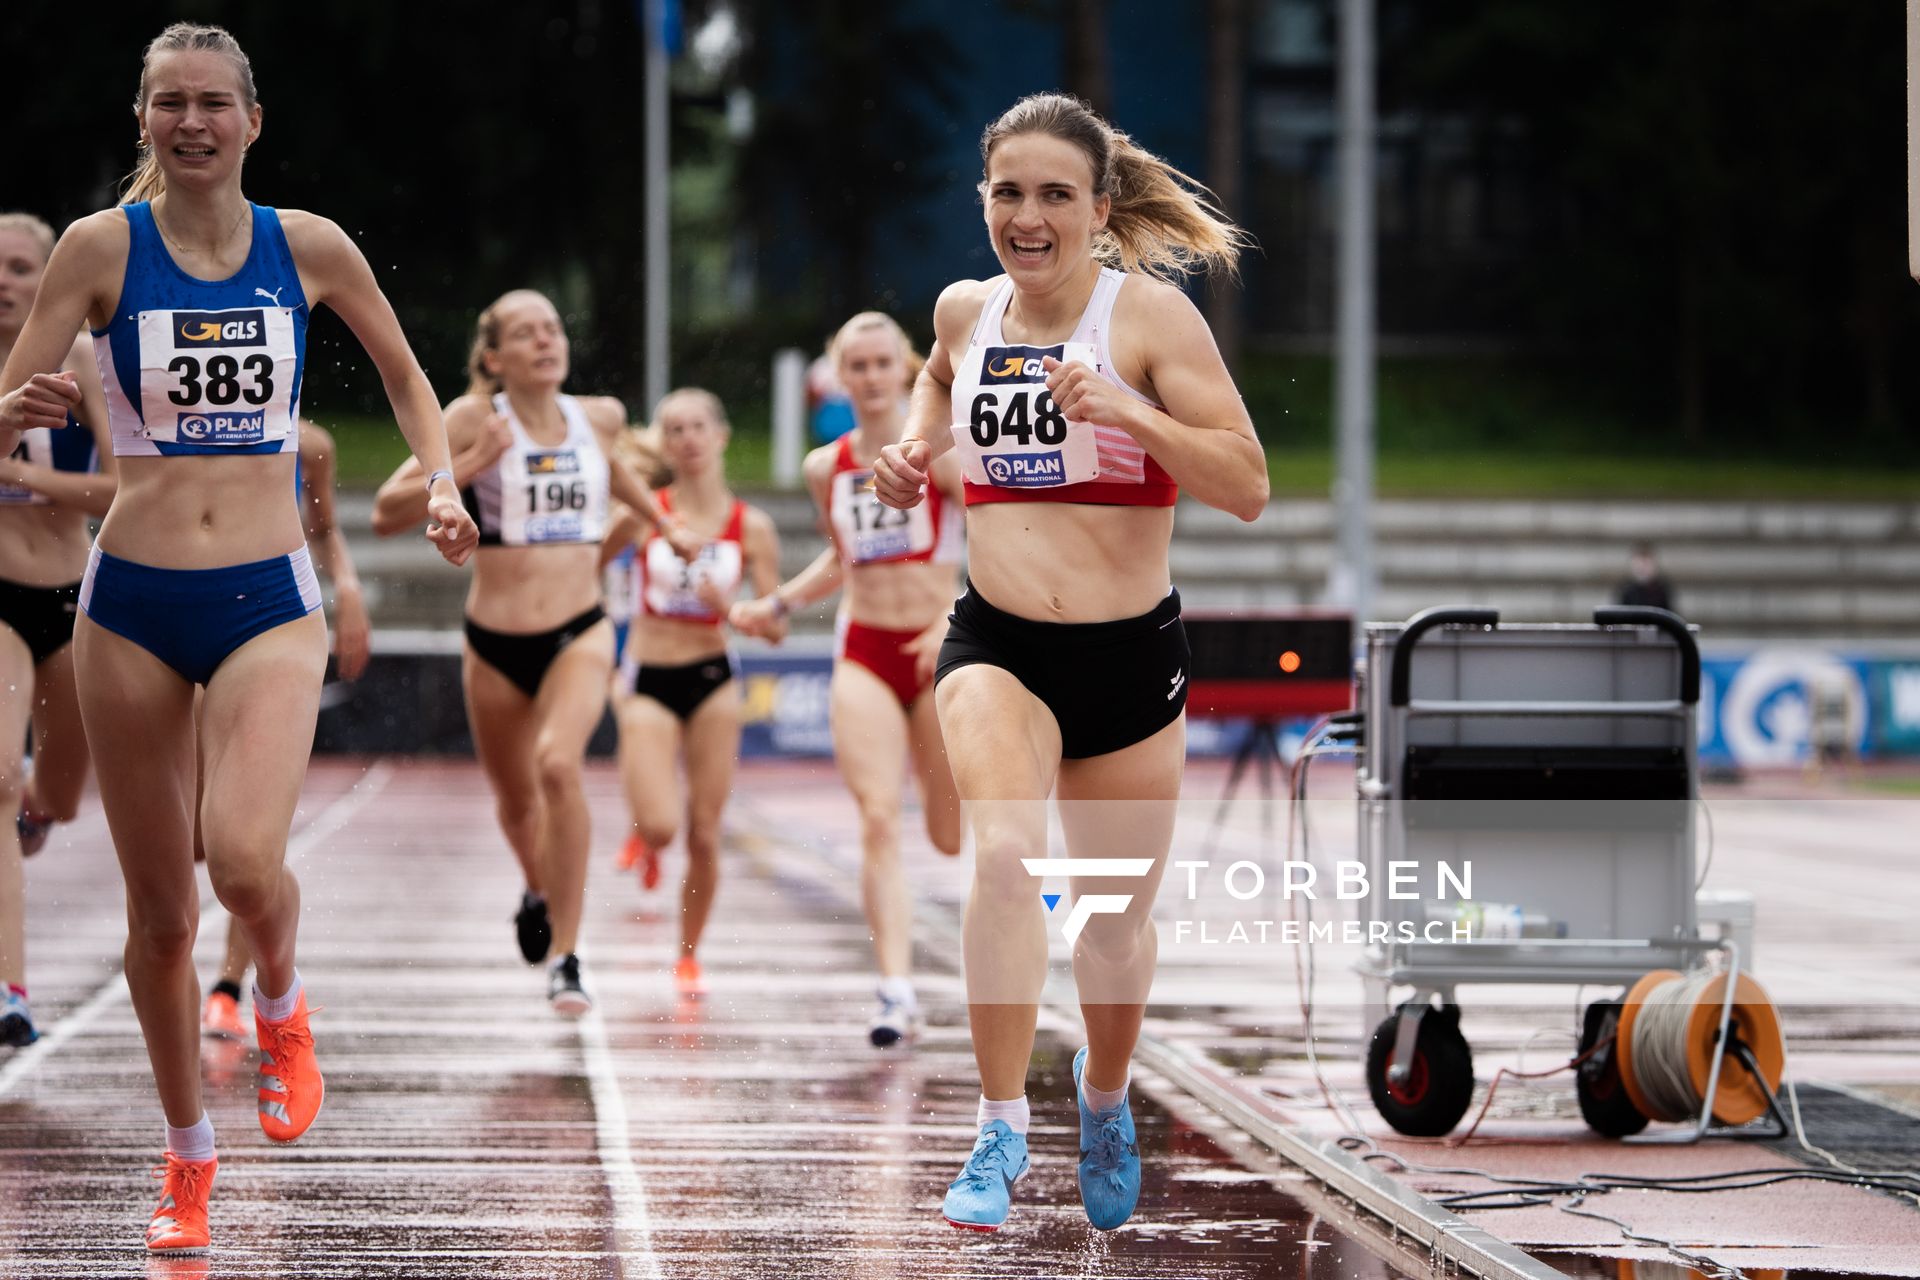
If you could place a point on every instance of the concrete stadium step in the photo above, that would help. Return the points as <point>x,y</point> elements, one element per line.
<point>1763,569</point>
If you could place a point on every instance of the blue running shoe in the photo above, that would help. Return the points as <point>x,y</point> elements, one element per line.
<point>1109,1159</point>
<point>16,1021</point>
<point>978,1199</point>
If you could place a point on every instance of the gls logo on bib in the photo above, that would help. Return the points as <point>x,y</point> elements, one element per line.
<point>1004,365</point>
<point>219,329</point>
<point>563,462</point>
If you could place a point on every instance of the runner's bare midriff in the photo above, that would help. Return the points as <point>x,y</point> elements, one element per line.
<point>675,642</point>
<point>42,546</point>
<point>902,596</point>
<point>1069,562</point>
<point>524,590</point>
<point>203,512</point>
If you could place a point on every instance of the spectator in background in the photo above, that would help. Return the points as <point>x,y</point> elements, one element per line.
<point>1645,584</point>
<point>829,407</point>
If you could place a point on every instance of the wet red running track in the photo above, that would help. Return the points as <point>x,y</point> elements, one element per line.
<point>469,1132</point>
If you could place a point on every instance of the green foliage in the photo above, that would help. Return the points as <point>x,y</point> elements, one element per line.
<point>1506,427</point>
<point>467,152</point>
<point>1713,205</point>
<point>850,95</point>
<point>1698,256</point>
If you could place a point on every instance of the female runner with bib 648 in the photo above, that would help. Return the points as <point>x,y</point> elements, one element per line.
<point>199,303</point>
<point>1081,398</point>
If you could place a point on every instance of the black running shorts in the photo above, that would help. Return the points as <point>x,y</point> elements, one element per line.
<point>1108,684</point>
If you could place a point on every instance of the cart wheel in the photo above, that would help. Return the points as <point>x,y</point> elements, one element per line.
<point>1604,1103</point>
<point>1439,1083</point>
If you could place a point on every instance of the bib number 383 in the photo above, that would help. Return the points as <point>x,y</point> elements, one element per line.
<point>1015,436</point>
<point>217,377</point>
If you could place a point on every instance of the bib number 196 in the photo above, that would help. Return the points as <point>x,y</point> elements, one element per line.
<point>1028,417</point>
<point>560,496</point>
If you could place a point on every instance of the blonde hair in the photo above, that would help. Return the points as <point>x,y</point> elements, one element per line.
<point>639,448</point>
<point>700,395</point>
<point>867,320</point>
<point>147,181</point>
<point>1161,222</point>
<point>486,336</point>
<point>27,224</point>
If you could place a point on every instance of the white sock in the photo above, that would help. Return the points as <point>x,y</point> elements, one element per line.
<point>900,991</point>
<point>276,1008</point>
<point>1014,1111</point>
<point>1099,1100</point>
<point>195,1142</point>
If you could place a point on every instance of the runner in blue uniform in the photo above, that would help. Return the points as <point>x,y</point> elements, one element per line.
<point>198,301</point>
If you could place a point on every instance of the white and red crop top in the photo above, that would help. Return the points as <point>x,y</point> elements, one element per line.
<point>868,531</point>
<point>672,588</point>
<point>1016,445</point>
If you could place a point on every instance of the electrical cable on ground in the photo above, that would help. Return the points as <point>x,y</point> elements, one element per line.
<point>1516,1192</point>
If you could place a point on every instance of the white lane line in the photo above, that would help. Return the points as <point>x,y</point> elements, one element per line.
<point>633,1229</point>
<point>25,1060</point>
<point>327,822</point>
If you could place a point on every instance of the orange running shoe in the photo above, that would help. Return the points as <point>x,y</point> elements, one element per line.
<point>221,1018</point>
<point>179,1225</point>
<point>638,853</point>
<point>688,980</point>
<point>291,1089</point>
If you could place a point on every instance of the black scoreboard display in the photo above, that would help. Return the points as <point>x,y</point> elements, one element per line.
<point>1270,665</point>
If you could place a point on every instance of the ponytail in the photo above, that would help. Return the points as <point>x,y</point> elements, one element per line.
<point>1162,222</point>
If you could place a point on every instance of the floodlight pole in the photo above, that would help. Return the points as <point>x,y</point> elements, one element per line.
<point>657,209</point>
<point>1350,584</point>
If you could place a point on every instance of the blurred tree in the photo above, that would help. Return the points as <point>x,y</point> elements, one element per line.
<point>1085,31</point>
<point>1087,60</point>
<point>848,100</point>
<point>467,151</point>
<point>1226,154</point>
<point>1716,210</point>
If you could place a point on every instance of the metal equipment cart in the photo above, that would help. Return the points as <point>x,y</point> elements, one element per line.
<point>1558,760</point>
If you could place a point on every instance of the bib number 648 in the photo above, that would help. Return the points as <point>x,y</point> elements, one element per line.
<point>1025,417</point>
